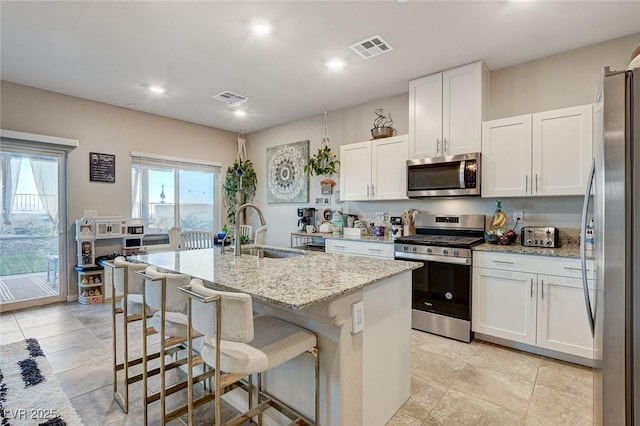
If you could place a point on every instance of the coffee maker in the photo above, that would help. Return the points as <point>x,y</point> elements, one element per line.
<point>306,216</point>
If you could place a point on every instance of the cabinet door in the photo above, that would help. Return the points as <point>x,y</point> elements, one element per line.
<point>389,168</point>
<point>462,109</point>
<point>355,171</point>
<point>562,150</point>
<point>504,304</point>
<point>506,157</point>
<point>562,316</point>
<point>108,228</point>
<point>425,117</point>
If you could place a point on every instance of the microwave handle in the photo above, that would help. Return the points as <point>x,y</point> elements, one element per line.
<point>463,167</point>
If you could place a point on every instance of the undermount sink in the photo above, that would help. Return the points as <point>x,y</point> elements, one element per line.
<point>271,253</point>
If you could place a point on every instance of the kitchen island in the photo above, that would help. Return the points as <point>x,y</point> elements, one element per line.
<point>364,374</point>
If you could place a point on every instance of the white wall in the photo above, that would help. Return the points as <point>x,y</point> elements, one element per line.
<point>106,129</point>
<point>557,81</point>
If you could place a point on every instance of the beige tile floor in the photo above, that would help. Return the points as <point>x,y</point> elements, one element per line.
<point>453,383</point>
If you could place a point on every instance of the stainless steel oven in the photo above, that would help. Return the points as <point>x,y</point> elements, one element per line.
<point>451,176</point>
<point>441,289</point>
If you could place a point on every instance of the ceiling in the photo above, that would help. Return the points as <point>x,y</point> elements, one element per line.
<point>112,52</point>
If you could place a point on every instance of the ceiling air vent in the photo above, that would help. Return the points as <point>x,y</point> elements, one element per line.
<point>230,98</point>
<point>373,46</point>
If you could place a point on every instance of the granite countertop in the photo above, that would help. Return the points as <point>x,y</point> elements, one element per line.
<point>569,247</point>
<point>329,235</point>
<point>294,282</point>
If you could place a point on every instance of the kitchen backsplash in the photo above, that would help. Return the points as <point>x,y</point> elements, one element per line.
<point>562,212</point>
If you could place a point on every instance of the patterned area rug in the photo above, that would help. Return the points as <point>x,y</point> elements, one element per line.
<point>29,390</point>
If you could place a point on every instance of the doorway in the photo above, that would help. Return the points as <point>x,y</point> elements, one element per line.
<point>32,224</point>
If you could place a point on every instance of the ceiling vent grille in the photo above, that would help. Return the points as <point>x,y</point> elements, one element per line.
<point>373,46</point>
<point>230,98</point>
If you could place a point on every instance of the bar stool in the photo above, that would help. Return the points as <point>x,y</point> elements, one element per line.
<point>126,282</point>
<point>236,345</point>
<point>171,322</point>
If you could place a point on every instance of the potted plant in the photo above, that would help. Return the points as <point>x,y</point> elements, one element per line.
<point>239,186</point>
<point>327,185</point>
<point>324,163</point>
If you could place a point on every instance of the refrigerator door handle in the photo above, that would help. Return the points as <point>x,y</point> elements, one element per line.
<point>583,254</point>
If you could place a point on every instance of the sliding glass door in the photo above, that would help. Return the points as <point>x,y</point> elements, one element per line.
<point>32,237</point>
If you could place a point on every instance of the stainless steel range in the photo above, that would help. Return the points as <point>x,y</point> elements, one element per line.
<point>441,295</point>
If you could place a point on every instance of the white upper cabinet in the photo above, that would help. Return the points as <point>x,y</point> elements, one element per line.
<point>374,170</point>
<point>506,157</point>
<point>562,150</point>
<point>547,153</point>
<point>425,116</point>
<point>446,111</point>
<point>355,171</point>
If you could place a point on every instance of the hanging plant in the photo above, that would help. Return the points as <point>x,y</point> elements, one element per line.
<point>239,187</point>
<point>325,162</point>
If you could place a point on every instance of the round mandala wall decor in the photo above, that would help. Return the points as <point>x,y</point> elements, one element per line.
<point>286,179</point>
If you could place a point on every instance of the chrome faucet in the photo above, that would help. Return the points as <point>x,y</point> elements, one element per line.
<point>236,249</point>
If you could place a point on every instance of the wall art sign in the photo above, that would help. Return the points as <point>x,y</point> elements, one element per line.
<point>287,182</point>
<point>102,167</point>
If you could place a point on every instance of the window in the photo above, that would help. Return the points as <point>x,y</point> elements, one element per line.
<point>167,192</point>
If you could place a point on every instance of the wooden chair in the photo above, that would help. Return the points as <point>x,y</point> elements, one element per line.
<point>245,231</point>
<point>192,240</point>
<point>261,235</point>
<point>175,238</point>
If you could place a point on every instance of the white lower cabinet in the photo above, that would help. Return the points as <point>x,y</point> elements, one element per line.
<point>503,305</point>
<point>360,248</point>
<point>513,301</point>
<point>562,316</point>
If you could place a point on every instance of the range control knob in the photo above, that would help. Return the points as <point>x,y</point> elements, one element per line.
<point>429,250</point>
<point>405,248</point>
<point>548,242</point>
<point>414,248</point>
<point>529,241</point>
<point>445,251</point>
<point>456,253</point>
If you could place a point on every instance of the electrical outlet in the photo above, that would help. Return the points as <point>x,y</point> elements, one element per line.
<point>518,215</point>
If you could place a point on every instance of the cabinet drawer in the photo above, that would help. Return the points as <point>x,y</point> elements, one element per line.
<point>361,248</point>
<point>559,266</point>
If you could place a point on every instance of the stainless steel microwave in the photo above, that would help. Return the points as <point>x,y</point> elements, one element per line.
<point>451,176</point>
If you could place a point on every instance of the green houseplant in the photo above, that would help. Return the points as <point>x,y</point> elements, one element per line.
<point>324,163</point>
<point>239,187</point>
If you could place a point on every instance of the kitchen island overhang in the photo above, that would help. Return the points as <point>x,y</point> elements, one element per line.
<point>364,376</point>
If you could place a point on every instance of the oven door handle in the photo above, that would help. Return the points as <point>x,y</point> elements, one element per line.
<point>433,258</point>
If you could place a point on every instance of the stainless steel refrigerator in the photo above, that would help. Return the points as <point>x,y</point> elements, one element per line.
<point>615,317</point>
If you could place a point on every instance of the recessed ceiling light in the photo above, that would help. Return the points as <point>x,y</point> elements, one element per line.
<point>240,113</point>
<point>261,29</point>
<point>157,89</point>
<point>335,64</point>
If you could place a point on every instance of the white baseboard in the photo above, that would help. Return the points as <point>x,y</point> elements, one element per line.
<point>72,298</point>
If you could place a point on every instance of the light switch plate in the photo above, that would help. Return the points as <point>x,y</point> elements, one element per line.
<point>357,317</point>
